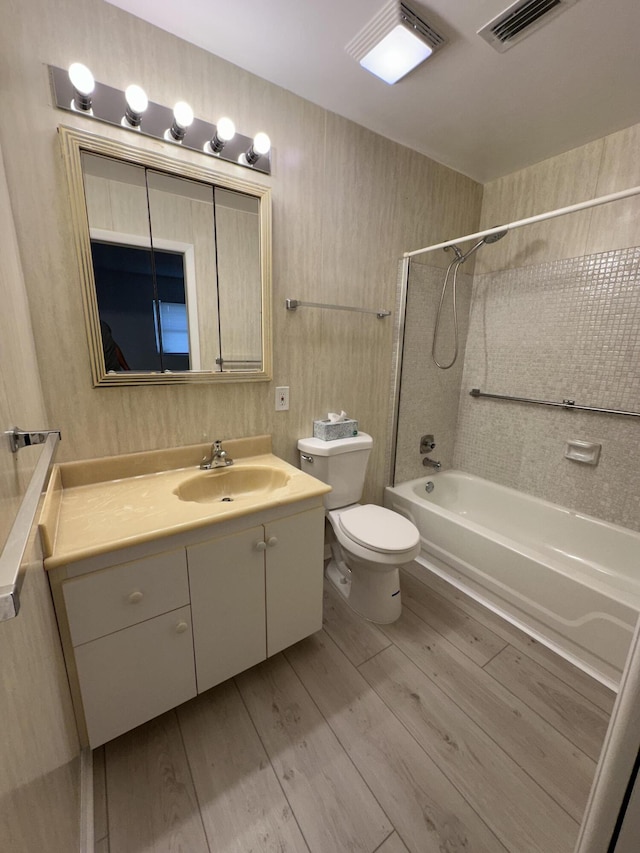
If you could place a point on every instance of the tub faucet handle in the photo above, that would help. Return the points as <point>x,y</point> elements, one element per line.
<point>427,444</point>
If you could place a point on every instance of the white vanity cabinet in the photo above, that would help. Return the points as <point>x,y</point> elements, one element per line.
<point>132,650</point>
<point>254,593</point>
<point>146,635</point>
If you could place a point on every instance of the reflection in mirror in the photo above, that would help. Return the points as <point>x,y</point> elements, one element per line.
<point>179,285</point>
<point>134,278</point>
<point>182,210</point>
<point>237,239</point>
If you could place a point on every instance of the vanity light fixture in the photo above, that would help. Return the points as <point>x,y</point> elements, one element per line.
<point>260,146</point>
<point>394,42</point>
<point>74,89</point>
<point>224,132</point>
<point>182,120</point>
<point>137,103</point>
<point>83,84</point>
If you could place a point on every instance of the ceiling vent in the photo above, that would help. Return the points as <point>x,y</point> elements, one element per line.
<point>520,20</point>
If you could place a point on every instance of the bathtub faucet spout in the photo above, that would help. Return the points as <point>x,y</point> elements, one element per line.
<point>431,463</point>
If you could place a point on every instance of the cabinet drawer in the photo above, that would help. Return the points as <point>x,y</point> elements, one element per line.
<point>136,674</point>
<point>114,598</point>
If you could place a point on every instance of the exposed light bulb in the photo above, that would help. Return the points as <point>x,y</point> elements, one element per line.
<point>137,103</point>
<point>225,131</point>
<point>81,78</point>
<point>83,85</point>
<point>261,145</point>
<point>136,98</point>
<point>183,114</point>
<point>182,119</point>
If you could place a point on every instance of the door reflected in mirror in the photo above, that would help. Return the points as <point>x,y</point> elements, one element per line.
<point>176,266</point>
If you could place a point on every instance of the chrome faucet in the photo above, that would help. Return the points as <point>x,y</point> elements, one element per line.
<point>427,444</point>
<point>219,458</point>
<point>431,463</point>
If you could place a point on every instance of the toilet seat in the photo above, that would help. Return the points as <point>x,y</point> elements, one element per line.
<point>379,529</point>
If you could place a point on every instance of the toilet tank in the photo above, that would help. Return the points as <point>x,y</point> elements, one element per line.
<point>341,463</point>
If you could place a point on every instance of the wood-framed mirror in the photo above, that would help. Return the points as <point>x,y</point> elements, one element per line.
<point>175,262</point>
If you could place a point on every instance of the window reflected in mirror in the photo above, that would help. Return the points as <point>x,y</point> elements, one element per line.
<point>143,308</point>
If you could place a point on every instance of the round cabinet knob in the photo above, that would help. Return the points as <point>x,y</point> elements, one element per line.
<point>260,546</point>
<point>272,540</point>
<point>136,597</point>
<point>181,627</point>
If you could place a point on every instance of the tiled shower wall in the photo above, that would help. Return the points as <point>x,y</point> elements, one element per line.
<point>564,329</point>
<point>555,313</point>
<point>561,320</point>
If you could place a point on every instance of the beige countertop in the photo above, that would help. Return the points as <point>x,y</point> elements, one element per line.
<point>100,505</point>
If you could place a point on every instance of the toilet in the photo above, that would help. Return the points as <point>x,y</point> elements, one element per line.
<point>371,542</point>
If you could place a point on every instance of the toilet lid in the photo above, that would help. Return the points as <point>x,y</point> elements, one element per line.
<point>379,529</point>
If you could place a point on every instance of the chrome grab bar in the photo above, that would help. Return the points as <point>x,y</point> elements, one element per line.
<point>565,404</point>
<point>11,558</point>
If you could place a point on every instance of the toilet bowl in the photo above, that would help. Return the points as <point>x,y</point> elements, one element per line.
<point>370,543</point>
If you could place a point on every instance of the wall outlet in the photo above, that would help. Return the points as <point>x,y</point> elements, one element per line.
<point>282,398</point>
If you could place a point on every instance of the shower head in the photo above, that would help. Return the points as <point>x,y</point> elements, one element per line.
<point>455,265</point>
<point>490,238</point>
<point>493,238</point>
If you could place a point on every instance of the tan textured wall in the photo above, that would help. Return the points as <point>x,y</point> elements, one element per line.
<point>346,204</point>
<point>547,327</point>
<point>38,771</point>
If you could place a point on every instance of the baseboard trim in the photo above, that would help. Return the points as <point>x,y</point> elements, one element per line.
<point>87,842</point>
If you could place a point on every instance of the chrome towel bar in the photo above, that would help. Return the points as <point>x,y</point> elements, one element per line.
<point>292,304</point>
<point>19,438</point>
<point>565,404</point>
<point>15,546</point>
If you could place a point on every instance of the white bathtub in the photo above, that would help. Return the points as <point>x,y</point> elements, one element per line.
<point>569,580</point>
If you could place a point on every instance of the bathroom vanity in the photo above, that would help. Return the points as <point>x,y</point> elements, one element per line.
<point>167,580</point>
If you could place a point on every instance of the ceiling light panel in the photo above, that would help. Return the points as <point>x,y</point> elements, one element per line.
<point>394,42</point>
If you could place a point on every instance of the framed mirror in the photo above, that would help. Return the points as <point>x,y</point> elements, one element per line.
<point>175,264</point>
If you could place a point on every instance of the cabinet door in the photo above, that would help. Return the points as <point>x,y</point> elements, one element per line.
<point>226,577</point>
<point>295,551</point>
<point>133,675</point>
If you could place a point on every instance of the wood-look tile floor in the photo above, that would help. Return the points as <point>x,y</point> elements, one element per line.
<point>448,731</point>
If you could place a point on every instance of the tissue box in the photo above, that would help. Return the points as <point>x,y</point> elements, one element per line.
<point>328,431</point>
